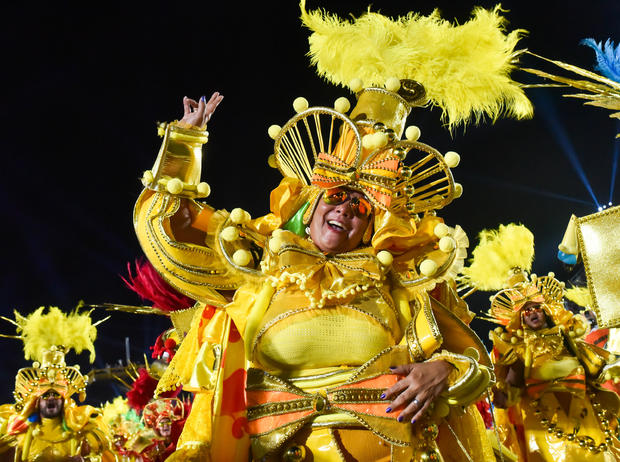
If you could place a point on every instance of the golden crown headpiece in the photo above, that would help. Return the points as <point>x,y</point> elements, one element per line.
<point>506,305</point>
<point>51,373</point>
<point>163,408</point>
<point>325,148</point>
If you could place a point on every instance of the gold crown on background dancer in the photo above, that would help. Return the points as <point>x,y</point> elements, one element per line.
<point>506,305</point>
<point>51,374</point>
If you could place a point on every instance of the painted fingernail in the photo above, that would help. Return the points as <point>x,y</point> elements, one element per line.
<point>382,396</point>
<point>389,409</point>
<point>203,99</point>
<point>392,368</point>
<point>413,421</point>
<point>400,418</point>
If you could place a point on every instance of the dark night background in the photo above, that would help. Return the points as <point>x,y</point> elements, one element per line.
<point>84,86</point>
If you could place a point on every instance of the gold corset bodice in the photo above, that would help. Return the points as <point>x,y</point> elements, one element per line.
<point>348,332</point>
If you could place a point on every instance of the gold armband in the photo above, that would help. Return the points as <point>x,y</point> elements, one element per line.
<point>178,165</point>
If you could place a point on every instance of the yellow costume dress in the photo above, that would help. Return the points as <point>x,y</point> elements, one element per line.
<point>561,413</point>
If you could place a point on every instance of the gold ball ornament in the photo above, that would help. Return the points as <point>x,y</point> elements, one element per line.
<point>242,257</point>
<point>239,216</point>
<point>271,161</point>
<point>342,104</point>
<point>452,159</point>
<point>458,190</point>
<point>385,257</point>
<point>381,139</point>
<point>203,189</point>
<point>356,85</point>
<point>274,131</point>
<point>392,84</point>
<point>174,186</point>
<point>447,244</point>
<point>275,243</point>
<point>147,177</point>
<point>428,267</point>
<point>300,104</point>
<point>441,230</point>
<point>368,142</point>
<point>412,133</point>
<point>579,331</point>
<point>230,234</point>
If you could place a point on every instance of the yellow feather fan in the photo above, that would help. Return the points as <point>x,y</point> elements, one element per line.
<point>497,256</point>
<point>579,295</point>
<point>465,69</point>
<point>42,330</point>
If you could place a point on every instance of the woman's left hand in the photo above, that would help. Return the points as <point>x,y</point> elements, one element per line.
<point>422,383</point>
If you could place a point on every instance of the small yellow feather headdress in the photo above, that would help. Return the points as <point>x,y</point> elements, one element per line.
<point>502,258</point>
<point>47,336</point>
<point>464,69</point>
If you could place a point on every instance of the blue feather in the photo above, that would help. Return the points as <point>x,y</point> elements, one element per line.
<point>607,57</point>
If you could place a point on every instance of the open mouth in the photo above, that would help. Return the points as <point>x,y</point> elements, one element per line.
<point>335,225</point>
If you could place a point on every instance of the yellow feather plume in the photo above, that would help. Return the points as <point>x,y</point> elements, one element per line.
<point>115,411</point>
<point>579,295</point>
<point>498,254</point>
<point>465,69</point>
<point>42,330</point>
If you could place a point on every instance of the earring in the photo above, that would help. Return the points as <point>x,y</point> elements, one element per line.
<point>308,230</point>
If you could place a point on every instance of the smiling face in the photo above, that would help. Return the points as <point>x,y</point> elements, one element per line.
<point>534,316</point>
<point>338,228</point>
<point>50,404</point>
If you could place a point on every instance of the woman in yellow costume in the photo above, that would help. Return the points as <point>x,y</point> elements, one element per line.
<point>337,310</point>
<point>550,404</point>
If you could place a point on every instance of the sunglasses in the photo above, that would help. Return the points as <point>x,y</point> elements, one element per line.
<point>360,206</point>
<point>532,309</point>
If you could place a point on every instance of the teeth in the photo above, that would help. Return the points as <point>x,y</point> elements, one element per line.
<point>335,223</point>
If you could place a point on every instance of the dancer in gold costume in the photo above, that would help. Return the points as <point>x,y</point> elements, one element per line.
<point>549,401</point>
<point>338,309</point>
<point>47,424</point>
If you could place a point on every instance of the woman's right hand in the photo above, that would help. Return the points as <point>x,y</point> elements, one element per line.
<point>198,113</point>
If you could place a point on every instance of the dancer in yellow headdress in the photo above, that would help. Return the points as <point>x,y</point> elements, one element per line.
<point>550,403</point>
<point>339,305</point>
<point>47,424</point>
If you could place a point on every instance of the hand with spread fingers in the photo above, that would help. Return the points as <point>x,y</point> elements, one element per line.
<point>198,113</point>
<point>422,383</point>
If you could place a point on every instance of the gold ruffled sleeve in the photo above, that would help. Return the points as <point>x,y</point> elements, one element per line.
<point>197,269</point>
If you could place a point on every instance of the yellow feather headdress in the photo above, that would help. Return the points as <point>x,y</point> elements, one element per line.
<point>41,330</point>
<point>501,255</point>
<point>465,69</point>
